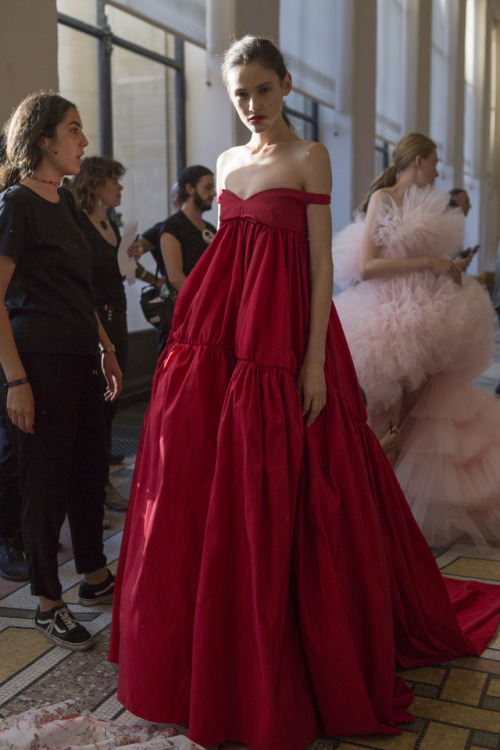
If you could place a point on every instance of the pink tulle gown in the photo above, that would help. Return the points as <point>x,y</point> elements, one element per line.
<point>419,332</point>
<point>271,575</point>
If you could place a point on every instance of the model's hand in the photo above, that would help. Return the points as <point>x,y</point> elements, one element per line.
<point>390,441</point>
<point>444,267</point>
<point>113,375</point>
<point>21,407</point>
<point>135,250</point>
<point>312,390</point>
<point>463,261</point>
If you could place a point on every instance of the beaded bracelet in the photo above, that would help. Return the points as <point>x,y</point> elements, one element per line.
<point>13,383</point>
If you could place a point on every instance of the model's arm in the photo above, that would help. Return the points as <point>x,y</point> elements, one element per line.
<point>374,267</point>
<point>109,364</point>
<point>20,402</point>
<point>311,380</point>
<point>172,255</point>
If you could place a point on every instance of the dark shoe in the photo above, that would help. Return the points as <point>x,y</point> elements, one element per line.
<point>99,593</point>
<point>116,458</point>
<point>60,626</point>
<point>115,501</point>
<point>13,566</point>
<point>497,390</point>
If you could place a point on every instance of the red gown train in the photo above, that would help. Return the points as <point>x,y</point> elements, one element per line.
<point>271,575</point>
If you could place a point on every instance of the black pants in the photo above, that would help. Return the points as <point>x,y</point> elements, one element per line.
<point>115,325</point>
<point>62,466</point>
<point>10,495</point>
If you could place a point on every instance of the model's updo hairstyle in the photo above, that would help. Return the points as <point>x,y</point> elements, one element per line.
<point>404,153</point>
<point>251,49</point>
<point>38,115</point>
<point>94,171</point>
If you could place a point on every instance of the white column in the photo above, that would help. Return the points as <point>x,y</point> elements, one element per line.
<point>455,138</point>
<point>489,143</point>
<point>418,67</point>
<point>364,81</point>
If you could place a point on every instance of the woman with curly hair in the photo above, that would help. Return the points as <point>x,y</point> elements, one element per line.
<point>97,190</point>
<point>49,352</point>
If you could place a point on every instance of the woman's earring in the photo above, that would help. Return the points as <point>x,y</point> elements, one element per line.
<point>46,152</point>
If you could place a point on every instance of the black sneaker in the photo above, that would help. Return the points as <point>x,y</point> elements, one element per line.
<point>60,626</point>
<point>99,593</point>
<point>13,566</point>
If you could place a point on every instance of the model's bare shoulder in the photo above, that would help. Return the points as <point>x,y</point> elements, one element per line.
<point>382,195</point>
<point>225,164</point>
<point>317,171</point>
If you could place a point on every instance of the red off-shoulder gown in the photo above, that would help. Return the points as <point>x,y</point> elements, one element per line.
<point>271,575</point>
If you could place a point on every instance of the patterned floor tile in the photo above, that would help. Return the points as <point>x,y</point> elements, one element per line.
<point>456,714</point>
<point>19,648</point>
<point>443,737</point>
<point>481,570</point>
<point>464,686</point>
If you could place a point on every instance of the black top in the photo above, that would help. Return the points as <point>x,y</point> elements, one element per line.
<point>106,278</point>
<point>193,242</point>
<point>49,299</point>
<point>153,235</point>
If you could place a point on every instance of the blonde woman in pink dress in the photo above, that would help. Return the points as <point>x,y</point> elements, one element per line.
<point>420,331</point>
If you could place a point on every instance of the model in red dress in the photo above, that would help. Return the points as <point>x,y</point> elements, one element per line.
<point>271,573</point>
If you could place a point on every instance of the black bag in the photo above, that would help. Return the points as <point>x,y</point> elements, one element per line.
<point>158,306</point>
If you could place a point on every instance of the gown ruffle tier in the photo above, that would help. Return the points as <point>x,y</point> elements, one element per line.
<point>422,333</point>
<point>271,575</point>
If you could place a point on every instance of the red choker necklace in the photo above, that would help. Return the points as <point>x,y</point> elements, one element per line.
<point>47,182</point>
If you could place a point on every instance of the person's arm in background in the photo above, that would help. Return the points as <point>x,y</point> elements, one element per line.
<point>172,255</point>
<point>109,364</point>
<point>137,250</point>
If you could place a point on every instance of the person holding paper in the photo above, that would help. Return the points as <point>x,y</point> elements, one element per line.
<point>97,189</point>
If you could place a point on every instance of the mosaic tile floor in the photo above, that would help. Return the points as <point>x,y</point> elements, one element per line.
<point>456,707</point>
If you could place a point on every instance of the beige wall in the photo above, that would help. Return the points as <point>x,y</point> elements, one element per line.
<point>28,50</point>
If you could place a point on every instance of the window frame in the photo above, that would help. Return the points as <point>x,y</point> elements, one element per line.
<point>106,41</point>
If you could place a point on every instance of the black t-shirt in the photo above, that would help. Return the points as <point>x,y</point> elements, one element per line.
<point>50,300</point>
<point>105,276</point>
<point>152,235</point>
<point>193,242</point>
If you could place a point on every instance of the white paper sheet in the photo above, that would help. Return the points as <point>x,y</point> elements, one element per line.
<point>126,263</point>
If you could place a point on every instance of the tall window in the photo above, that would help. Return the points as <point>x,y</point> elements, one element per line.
<point>495,60</point>
<point>303,114</point>
<point>311,39</point>
<point>123,75</point>
<point>470,86</point>
<point>440,66</point>
<point>126,77</point>
<point>391,68</point>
